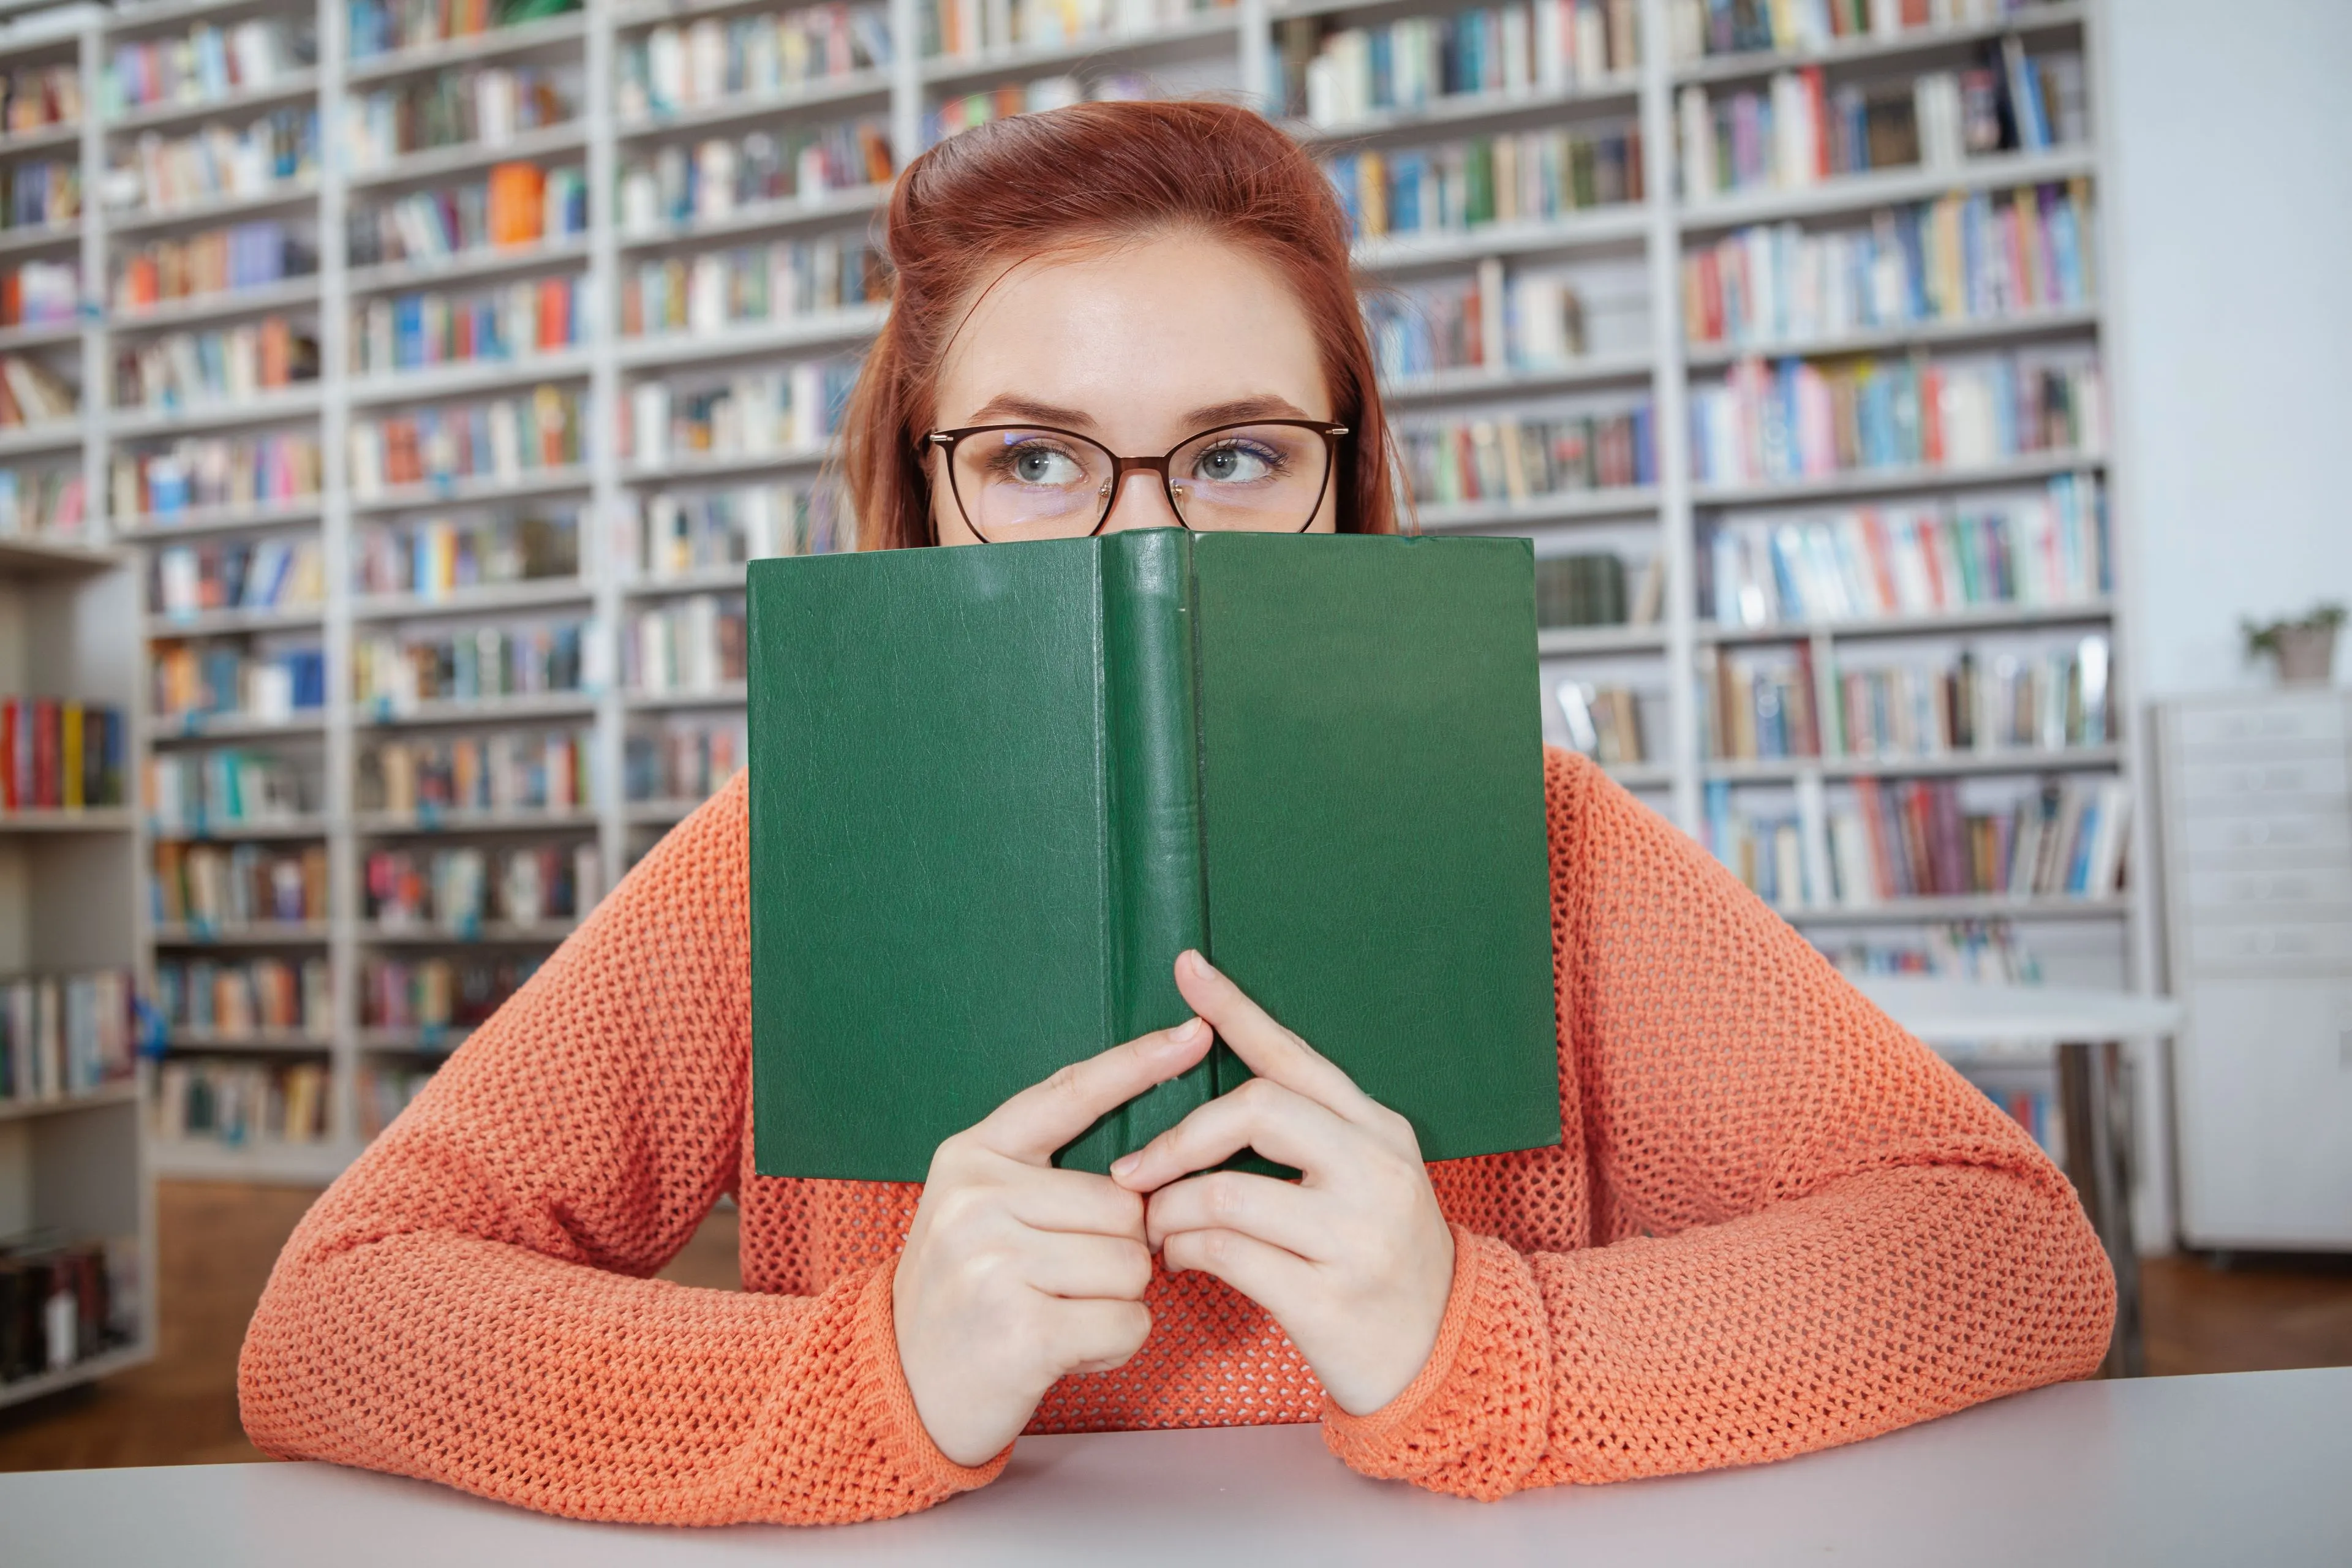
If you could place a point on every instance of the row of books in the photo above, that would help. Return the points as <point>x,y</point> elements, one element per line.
<point>1761,705</point>
<point>1710,28</point>
<point>1451,461</point>
<point>190,792</point>
<point>511,321</point>
<point>795,410</point>
<point>1800,133</point>
<point>460,891</point>
<point>216,161</point>
<point>1532,321</point>
<point>192,682</point>
<point>241,1103</point>
<point>788,280</point>
<point>515,203</point>
<point>227,1000</point>
<point>214,887</point>
<point>694,643</point>
<point>379,28</point>
<point>721,176</point>
<point>2001,702</point>
<point>1544,46</point>
<point>1978,257</point>
<point>201,473</point>
<point>212,261</point>
<point>1533,177</point>
<point>39,192</point>
<point>516,771</point>
<point>674,533</point>
<point>207,64</point>
<point>58,754</point>
<point>269,574</point>
<point>1795,419</point>
<point>32,393</point>
<point>384,1090</point>
<point>213,365</point>
<point>1037,95</point>
<point>34,98</point>
<point>1983,953</point>
<point>62,1303</point>
<point>432,993</point>
<point>44,500</point>
<point>437,557</point>
<point>499,439</point>
<point>1604,721</point>
<point>1907,840</point>
<point>64,1035</point>
<point>1591,589</point>
<point>717,59</point>
<point>966,27</point>
<point>39,293</point>
<point>474,106</point>
<point>687,757</point>
<point>393,672</point>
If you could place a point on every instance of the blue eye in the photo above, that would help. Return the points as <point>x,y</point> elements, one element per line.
<point>1236,463</point>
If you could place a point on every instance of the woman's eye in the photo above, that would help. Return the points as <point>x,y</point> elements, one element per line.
<point>1233,465</point>
<point>1041,466</point>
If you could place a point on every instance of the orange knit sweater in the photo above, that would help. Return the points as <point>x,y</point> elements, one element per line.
<point>1776,1223</point>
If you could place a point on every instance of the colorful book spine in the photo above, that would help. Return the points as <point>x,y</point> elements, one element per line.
<point>394,333</point>
<point>1550,46</point>
<point>241,887</point>
<point>221,162</point>
<point>39,293</point>
<point>1898,839</point>
<point>213,366</point>
<point>787,280</point>
<point>242,1102</point>
<point>224,1001</point>
<point>39,192</point>
<point>438,993</point>
<point>676,533</point>
<point>796,409</point>
<point>485,106</point>
<point>2005,702</point>
<point>546,771</point>
<point>498,439</point>
<point>191,682</point>
<point>188,794</point>
<point>696,644</point>
<point>516,203</point>
<point>440,557</point>
<point>459,891</point>
<point>60,755</point>
<point>690,758</point>
<point>236,575</point>
<point>208,63</point>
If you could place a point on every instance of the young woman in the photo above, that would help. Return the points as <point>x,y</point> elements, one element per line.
<point>1775,1221</point>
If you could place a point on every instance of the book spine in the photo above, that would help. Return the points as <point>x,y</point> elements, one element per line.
<point>1151,756</point>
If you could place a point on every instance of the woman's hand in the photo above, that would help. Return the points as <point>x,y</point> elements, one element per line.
<point>1355,1262</point>
<point>1015,1273</point>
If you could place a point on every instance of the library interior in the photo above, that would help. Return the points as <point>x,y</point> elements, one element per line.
<point>1922,412</point>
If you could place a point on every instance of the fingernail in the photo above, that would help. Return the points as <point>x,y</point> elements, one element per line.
<point>1187,1033</point>
<point>1200,965</point>
<point>1126,1163</point>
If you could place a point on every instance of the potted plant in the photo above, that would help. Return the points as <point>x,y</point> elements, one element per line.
<point>2305,648</point>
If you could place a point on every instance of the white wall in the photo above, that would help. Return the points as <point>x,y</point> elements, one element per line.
<point>2229,225</point>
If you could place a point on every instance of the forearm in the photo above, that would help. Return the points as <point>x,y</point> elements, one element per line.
<point>1893,1297</point>
<point>563,1388</point>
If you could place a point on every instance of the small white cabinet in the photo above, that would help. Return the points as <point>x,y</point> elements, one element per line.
<point>2255,795</point>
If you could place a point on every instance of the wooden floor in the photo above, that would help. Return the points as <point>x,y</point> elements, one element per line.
<point>217,1242</point>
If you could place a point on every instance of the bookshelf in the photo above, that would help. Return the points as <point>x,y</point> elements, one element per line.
<point>690,290</point>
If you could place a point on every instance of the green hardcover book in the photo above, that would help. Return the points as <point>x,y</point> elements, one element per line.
<point>996,790</point>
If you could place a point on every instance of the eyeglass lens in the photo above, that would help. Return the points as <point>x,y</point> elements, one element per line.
<point>1049,484</point>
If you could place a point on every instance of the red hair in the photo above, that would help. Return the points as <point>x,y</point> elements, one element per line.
<point>1087,174</point>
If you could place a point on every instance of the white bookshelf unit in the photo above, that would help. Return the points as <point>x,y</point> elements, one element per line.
<point>701,414</point>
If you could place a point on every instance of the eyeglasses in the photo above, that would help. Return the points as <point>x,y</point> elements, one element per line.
<point>1032,481</point>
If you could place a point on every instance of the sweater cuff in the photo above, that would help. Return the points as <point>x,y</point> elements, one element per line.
<point>1474,1421</point>
<point>904,1446</point>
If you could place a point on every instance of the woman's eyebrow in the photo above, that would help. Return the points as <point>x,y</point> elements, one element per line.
<point>1241,408</point>
<point>1010,405</point>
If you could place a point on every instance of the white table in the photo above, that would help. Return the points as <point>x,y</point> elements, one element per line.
<point>2245,1469</point>
<point>2087,1028</point>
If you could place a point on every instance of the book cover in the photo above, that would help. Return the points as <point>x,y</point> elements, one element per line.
<point>995,791</point>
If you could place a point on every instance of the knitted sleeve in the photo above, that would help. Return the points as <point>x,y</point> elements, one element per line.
<point>470,1304</point>
<point>1805,1229</point>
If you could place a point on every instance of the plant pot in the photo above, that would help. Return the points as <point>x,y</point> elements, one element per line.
<point>2307,655</point>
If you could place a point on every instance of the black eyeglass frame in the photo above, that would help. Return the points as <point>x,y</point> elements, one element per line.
<point>946,442</point>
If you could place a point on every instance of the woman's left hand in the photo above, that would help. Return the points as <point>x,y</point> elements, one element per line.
<point>1355,1262</point>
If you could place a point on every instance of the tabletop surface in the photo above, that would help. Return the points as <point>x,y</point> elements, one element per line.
<point>1955,1012</point>
<point>2249,1468</point>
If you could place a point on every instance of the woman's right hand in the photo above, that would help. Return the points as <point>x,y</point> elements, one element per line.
<point>1015,1273</point>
